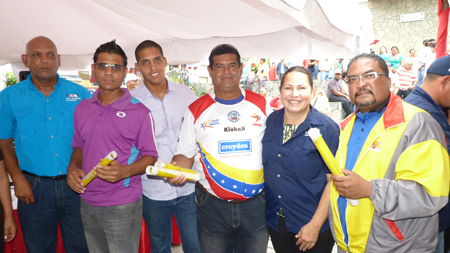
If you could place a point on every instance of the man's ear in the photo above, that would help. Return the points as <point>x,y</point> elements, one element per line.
<point>445,82</point>
<point>24,60</point>
<point>136,65</point>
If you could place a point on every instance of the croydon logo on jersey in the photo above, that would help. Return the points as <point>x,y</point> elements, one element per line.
<point>235,146</point>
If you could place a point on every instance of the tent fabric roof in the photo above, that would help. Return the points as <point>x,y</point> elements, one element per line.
<point>186,30</point>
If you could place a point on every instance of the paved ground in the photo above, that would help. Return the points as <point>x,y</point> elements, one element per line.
<point>178,248</point>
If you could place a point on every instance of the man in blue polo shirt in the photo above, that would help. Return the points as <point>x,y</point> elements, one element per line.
<point>38,114</point>
<point>432,96</point>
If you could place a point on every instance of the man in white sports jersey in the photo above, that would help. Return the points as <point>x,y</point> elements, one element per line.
<point>221,136</point>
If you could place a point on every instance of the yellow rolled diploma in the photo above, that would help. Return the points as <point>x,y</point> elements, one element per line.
<point>105,161</point>
<point>164,169</point>
<point>327,156</point>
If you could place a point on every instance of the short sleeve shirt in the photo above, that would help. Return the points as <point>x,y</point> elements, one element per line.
<point>125,126</point>
<point>225,141</point>
<point>334,84</point>
<point>42,126</point>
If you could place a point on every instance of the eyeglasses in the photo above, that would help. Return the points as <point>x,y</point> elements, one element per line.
<point>114,67</point>
<point>368,77</point>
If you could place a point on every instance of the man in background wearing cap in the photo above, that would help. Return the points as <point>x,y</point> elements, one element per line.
<point>168,102</point>
<point>132,81</point>
<point>221,136</point>
<point>336,93</point>
<point>432,96</point>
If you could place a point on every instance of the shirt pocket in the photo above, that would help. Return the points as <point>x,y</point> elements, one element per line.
<point>303,159</point>
<point>65,123</point>
<point>26,123</point>
<point>267,147</point>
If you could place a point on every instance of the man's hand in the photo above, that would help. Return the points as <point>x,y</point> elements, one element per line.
<point>179,180</point>
<point>352,185</point>
<point>307,236</point>
<point>112,173</point>
<point>23,189</point>
<point>74,179</point>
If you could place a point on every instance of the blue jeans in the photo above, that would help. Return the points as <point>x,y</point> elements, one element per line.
<point>55,202</point>
<point>226,227</point>
<point>158,217</point>
<point>114,229</point>
<point>420,76</point>
<point>314,70</point>
<point>324,75</point>
<point>440,244</point>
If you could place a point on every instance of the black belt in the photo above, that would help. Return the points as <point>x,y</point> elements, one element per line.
<point>45,177</point>
<point>233,201</point>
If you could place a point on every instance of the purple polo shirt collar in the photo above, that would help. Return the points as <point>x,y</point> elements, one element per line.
<point>119,104</point>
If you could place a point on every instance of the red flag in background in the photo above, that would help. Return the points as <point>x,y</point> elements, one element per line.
<point>441,46</point>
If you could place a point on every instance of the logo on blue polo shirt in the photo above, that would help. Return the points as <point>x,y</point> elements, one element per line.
<point>235,146</point>
<point>73,97</point>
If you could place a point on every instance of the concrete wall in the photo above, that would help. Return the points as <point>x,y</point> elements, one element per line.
<point>391,32</point>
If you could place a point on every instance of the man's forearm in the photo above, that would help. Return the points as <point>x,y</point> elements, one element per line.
<point>339,94</point>
<point>139,166</point>
<point>183,161</point>
<point>76,158</point>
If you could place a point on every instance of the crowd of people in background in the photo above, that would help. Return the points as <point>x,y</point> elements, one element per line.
<point>260,172</point>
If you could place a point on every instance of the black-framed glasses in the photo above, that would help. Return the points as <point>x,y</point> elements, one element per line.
<point>114,67</point>
<point>367,77</point>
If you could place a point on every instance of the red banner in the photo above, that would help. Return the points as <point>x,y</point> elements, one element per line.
<point>443,12</point>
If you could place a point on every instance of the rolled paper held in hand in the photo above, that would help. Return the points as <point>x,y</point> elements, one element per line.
<point>105,161</point>
<point>327,156</point>
<point>164,169</point>
<point>321,145</point>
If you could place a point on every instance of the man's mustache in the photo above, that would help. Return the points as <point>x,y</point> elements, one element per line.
<point>363,90</point>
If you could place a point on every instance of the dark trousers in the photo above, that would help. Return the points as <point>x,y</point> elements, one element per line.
<point>347,105</point>
<point>403,93</point>
<point>284,241</point>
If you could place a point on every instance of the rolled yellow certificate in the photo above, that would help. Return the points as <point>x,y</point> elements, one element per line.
<point>321,145</point>
<point>165,169</point>
<point>327,156</point>
<point>105,161</point>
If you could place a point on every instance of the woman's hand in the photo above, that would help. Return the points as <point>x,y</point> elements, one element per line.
<point>10,228</point>
<point>307,236</point>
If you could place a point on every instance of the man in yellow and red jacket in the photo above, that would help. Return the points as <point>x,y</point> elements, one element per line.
<point>395,162</point>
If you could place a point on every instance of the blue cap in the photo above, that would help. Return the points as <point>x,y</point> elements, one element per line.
<point>440,66</point>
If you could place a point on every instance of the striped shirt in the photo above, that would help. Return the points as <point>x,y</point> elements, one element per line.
<point>406,78</point>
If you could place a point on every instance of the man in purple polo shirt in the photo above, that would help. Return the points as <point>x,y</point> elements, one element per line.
<point>112,120</point>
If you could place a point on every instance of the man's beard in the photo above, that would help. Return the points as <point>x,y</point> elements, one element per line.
<point>365,103</point>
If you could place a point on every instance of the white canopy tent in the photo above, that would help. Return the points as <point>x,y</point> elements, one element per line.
<point>186,29</point>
